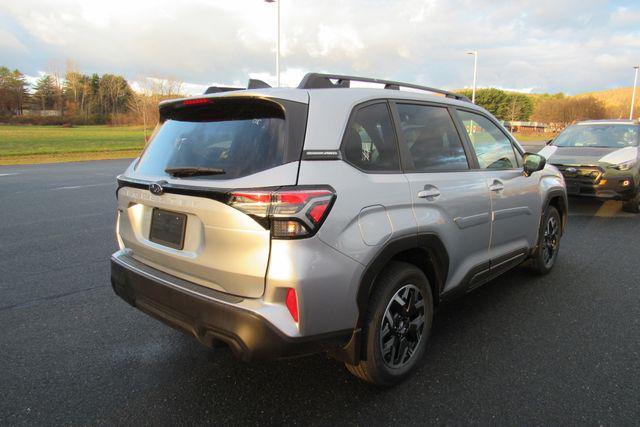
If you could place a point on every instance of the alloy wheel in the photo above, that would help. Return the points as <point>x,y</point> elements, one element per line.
<point>550,241</point>
<point>402,326</point>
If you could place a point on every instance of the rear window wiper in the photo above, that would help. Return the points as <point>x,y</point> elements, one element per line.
<point>193,171</point>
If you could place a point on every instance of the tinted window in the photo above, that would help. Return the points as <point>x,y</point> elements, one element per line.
<point>432,138</point>
<point>370,141</point>
<point>600,135</point>
<point>239,136</point>
<point>493,148</point>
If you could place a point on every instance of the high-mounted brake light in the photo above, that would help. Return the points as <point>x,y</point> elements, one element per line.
<point>196,101</point>
<point>289,212</point>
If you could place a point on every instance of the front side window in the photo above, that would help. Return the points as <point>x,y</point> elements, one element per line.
<point>431,138</point>
<point>370,141</point>
<point>492,147</point>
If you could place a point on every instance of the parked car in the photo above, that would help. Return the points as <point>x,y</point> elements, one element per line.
<point>284,222</point>
<point>599,158</point>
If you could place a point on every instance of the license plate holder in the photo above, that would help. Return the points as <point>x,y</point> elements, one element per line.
<point>167,228</point>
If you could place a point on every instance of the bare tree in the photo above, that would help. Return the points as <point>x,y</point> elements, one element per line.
<point>55,71</point>
<point>150,91</point>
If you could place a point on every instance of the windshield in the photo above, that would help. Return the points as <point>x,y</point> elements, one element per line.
<point>224,140</point>
<point>600,135</point>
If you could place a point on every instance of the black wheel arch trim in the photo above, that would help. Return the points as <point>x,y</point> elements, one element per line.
<point>556,193</point>
<point>431,243</point>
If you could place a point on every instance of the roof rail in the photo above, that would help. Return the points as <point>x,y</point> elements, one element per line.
<point>324,81</point>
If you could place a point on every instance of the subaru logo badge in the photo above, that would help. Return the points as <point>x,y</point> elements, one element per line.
<point>156,188</point>
<point>571,170</point>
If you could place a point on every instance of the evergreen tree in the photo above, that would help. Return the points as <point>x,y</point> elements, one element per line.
<point>45,92</point>
<point>13,91</point>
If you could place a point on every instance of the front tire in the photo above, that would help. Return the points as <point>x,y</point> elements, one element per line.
<point>632,205</point>
<point>544,258</point>
<point>397,326</point>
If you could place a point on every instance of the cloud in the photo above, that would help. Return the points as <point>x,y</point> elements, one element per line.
<point>10,42</point>
<point>539,45</point>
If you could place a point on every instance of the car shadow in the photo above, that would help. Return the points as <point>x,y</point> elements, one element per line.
<point>213,384</point>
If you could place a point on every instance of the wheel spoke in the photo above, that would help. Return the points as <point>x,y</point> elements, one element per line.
<point>417,323</point>
<point>399,300</point>
<point>389,345</point>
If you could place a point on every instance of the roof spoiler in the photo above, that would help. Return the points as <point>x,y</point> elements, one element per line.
<point>253,84</point>
<point>329,81</point>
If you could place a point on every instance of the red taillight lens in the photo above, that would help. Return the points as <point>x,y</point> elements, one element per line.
<point>316,213</point>
<point>291,212</point>
<point>292,303</point>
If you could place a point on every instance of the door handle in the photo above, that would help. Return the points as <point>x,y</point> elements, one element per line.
<point>430,192</point>
<point>496,186</point>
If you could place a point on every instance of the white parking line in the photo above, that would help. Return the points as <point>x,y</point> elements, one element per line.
<point>73,187</point>
<point>9,174</point>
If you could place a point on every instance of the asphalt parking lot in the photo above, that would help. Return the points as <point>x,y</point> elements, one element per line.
<point>564,348</point>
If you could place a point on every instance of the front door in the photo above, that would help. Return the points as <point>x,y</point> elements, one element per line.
<point>515,198</point>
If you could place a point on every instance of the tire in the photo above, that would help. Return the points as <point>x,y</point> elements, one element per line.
<point>632,205</point>
<point>404,330</point>
<point>544,258</point>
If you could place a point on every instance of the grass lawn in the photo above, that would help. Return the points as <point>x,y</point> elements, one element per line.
<point>525,137</point>
<point>42,144</point>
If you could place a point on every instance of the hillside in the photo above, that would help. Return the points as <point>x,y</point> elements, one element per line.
<point>617,101</point>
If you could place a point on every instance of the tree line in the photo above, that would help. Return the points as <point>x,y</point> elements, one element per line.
<point>77,98</point>
<point>80,98</point>
<point>546,108</point>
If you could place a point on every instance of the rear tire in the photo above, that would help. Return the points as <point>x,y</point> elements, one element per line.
<point>632,205</point>
<point>544,258</point>
<point>397,327</point>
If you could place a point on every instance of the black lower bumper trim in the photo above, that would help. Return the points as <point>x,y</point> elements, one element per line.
<point>251,337</point>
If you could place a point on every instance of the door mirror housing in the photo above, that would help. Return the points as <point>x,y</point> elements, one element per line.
<point>533,163</point>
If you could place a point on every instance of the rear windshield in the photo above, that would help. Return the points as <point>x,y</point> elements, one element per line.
<point>601,135</point>
<point>234,137</point>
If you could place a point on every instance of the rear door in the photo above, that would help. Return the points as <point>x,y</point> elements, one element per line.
<point>182,209</point>
<point>449,198</point>
<point>515,198</point>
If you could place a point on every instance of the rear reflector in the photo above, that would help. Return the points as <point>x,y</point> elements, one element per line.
<point>292,303</point>
<point>290,212</point>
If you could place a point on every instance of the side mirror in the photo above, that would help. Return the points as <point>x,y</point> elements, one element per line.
<point>533,163</point>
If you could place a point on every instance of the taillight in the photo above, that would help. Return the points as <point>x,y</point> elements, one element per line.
<point>290,212</point>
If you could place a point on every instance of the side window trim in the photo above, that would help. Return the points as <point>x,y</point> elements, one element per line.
<point>405,156</point>
<point>516,151</point>
<point>352,115</point>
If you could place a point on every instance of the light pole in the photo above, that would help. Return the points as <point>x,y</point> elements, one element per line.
<point>277,2</point>
<point>633,94</point>
<point>475,73</point>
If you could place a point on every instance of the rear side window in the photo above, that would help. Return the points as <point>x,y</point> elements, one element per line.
<point>493,149</point>
<point>234,137</point>
<point>370,140</point>
<point>431,138</point>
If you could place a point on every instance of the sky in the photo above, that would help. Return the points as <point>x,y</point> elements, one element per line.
<point>569,46</point>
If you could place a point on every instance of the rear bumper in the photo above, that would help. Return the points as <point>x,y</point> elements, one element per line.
<point>209,315</point>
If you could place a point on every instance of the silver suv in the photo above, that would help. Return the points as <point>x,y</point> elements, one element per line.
<point>285,222</point>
